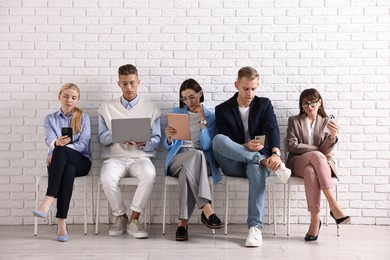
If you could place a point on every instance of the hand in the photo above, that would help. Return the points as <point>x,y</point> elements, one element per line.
<point>133,143</point>
<point>253,146</point>
<point>273,162</point>
<point>200,111</point>
<point>329,155</point>
<point>62,140</point>
<point>48,160</point>
<point>169,132</point>
<point>333,128</point>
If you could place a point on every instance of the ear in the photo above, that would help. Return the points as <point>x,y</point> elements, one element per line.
<point>236,84</point>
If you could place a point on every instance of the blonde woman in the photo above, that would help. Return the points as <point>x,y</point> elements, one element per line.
<point>69,155</point>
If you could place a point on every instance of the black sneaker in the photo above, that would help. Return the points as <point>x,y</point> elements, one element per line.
<point>212,222</point>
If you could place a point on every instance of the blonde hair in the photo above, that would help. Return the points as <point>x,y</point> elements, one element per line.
<point>75,122</point>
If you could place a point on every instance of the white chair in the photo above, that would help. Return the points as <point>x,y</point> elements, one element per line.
<point>299,181</point>
<point>173,181</point>
<point>270,182</point>
<point>81,181</point>
<point>131,181</point>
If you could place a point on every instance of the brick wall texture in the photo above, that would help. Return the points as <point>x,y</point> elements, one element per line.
<point>340,47</point>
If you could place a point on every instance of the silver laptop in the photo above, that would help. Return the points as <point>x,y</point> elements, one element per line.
<point>131,129</point>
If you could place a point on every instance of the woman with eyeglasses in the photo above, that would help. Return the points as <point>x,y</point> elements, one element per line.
<point>192,161</point>
<point>310,157</point>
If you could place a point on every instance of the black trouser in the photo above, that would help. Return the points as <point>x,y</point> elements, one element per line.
<point>66,164</point>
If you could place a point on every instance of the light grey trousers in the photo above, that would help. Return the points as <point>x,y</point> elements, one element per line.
<point>191,167</point>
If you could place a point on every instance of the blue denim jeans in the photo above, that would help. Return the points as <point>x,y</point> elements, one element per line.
<point>237,161</point>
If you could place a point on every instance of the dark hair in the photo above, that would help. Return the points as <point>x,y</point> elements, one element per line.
<point>247,72</point>
<point>190,84</point>
<point>127,69</point>
<point>311,94</point>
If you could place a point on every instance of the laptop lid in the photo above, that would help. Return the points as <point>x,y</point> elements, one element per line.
<point>130,129</point>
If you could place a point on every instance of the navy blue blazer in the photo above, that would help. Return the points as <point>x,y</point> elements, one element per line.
<point>261,121</point>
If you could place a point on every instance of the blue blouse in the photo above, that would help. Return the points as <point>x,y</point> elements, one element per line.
<point>81,141</point>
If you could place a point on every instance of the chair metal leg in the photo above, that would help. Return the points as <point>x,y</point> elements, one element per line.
<point>274,208</point>
<point>97,208</point>
<point>85,205</point>
<point>92,202</point>
<point>269,205</point>
<point>36,205</point>
<point>164,208</point>
<point>288,209</point>
<point>284,204</point>
<point>226,206</point>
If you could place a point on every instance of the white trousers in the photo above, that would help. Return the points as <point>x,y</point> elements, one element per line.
<point>115,169</point>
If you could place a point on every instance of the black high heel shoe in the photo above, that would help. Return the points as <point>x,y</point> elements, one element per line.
<point>342,220</point>
<point>309,238</point>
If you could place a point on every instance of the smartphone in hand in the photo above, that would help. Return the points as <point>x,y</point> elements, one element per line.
<point>260,139</point>
<point>331,118</point>
<point>67,131</point>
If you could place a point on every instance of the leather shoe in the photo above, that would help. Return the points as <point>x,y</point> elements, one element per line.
<point>40,214</point>
<point>212,222</point>
<point>309,238</point>
<point>181,233</point>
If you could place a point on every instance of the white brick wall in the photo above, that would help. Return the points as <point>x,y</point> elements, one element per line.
<point>339,47</point>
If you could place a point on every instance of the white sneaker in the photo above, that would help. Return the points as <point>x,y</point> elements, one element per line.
<point>254,238</point>
<point>283,173</point>
<point>136,230</point>
<point>119,226</point>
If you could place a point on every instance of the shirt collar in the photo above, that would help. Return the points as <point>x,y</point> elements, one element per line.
<point>131,104</point>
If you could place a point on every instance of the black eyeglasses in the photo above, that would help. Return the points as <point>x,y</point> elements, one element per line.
<point>190,98</point>
<point>312,103</point>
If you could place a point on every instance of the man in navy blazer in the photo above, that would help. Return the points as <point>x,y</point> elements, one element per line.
<point>239,120</point>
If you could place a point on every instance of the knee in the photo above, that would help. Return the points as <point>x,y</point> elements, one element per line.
<point>59,151</point>
<point>148,176</point>
<point>318,155</point>
<point>218,140</point>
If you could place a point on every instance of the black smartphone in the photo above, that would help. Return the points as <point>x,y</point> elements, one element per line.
<point>68,132</point>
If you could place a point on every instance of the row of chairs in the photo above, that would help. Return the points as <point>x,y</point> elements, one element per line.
<point>227,181</point>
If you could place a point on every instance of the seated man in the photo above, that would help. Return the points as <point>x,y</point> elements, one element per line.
<point>129,158</point>
<point>239,120</point>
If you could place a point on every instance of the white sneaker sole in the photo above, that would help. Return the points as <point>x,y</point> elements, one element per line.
<point>137,235</point>
<point>115,233</point>
<point>253,244</point>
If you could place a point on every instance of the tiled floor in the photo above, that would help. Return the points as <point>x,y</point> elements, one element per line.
<point>355,242</point>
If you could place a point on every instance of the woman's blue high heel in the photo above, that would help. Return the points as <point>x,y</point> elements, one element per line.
<point>40,214</point>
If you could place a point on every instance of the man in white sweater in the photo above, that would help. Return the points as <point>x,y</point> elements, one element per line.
<point>129,158</point>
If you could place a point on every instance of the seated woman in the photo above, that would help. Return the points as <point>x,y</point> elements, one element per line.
<point>192,161</point>
<point>310,157</point>
<point>69,156</point>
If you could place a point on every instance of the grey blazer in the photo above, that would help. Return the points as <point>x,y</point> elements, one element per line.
<point>297,140</point>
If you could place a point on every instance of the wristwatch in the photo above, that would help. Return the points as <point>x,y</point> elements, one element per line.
<point>203,122</point>
<point>277,153</point>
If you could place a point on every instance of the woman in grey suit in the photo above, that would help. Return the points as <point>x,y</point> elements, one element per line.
<point>310,157</point>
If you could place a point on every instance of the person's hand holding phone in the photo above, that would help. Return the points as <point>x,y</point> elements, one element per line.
<point>63,140</point>
<point>256,144</point>
<point>331,128</point>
